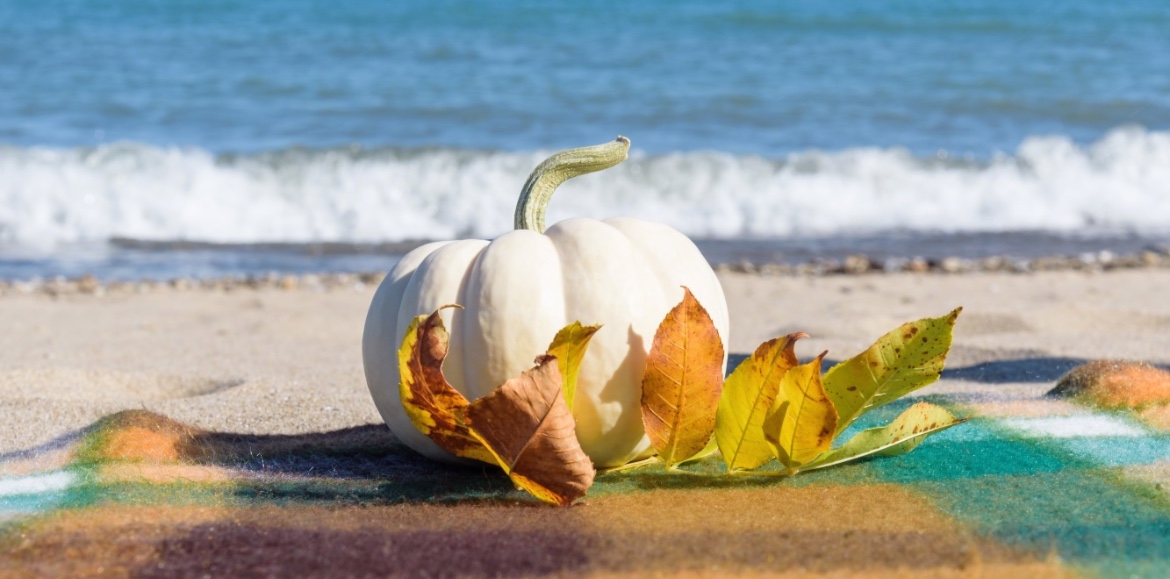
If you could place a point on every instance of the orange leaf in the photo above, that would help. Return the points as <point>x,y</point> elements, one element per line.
<point>434,406</point>
<point>528,427</point>
<point>682,383</point>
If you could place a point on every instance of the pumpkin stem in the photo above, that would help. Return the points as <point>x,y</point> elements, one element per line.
<point>557,169</point>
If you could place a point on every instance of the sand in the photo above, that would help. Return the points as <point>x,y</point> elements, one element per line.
<point>289,361</point>
<point>268,360</point>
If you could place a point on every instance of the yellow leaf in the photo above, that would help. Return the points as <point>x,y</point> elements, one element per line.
<point>748,395</point>
<point>683,379</point>
<point>434,406</point>
<point>528,427</point>
<point>803,419</point>
<point>899,363</point>
<point>569,348</point>
<point>902,435</point>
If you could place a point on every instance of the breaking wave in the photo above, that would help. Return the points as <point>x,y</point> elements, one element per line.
<point>50,197</point>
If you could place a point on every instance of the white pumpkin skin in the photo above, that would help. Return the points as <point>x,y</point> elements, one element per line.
<point>517,292</point>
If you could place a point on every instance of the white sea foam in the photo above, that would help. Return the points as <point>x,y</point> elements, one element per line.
<point>54,196</point>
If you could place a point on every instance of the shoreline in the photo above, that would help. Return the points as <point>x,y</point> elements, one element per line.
<point>852,265</point>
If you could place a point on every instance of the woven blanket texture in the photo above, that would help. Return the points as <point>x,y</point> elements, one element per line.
<point>1030,486</point>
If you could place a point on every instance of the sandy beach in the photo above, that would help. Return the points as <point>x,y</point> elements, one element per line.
<point>289,361</point>
<point>177,487</point>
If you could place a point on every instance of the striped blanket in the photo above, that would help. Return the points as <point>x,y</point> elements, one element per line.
<point>1028,487</point>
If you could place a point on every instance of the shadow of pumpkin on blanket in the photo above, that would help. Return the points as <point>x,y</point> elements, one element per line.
<point>357,465</point>
<point>134,455</point>
<point>362,465</point>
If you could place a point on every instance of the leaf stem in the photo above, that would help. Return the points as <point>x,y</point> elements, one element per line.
<point>769,473</point>
<point>557,169</point>
<point>630,465</point>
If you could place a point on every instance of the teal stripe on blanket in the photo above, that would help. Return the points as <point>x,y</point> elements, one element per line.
<point>1061,496</point>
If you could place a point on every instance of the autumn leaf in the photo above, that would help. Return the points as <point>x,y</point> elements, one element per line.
<point>902,435</point>
<point>434,406</point>
<point>530,430</point>
<point>709,449</point>
<point>899,363</point>
<point>748,395</point>
<point>682,382</point>
<point>569,348</point>
<point>801,424</point>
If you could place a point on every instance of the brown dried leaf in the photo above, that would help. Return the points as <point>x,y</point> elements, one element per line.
<point>683,381</point>
<point>530,430</point>
<point>434,406</point>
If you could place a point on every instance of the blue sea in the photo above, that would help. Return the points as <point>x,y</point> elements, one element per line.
<point>155,139</point>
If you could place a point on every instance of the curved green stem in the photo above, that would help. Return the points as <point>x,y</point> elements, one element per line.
<point>557,169</point>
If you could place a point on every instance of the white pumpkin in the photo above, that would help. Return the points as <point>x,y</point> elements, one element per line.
<point>518,290</point>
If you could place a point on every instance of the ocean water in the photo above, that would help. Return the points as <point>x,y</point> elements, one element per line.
<point>367,123</point>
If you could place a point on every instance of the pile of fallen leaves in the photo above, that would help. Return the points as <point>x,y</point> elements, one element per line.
<point>771,406</point>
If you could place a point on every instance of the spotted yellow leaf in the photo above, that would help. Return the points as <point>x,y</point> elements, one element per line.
<point>902,435</point>
<point>900,362</point>
<point>802,421</point>
<point>748,395</point>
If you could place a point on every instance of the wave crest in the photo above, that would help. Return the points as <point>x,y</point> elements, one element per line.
<point>127,190</point>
